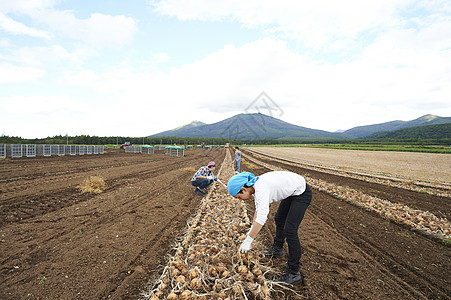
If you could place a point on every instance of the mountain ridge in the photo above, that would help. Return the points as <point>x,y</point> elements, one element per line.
<point>260,126</point>
<point>190,125</point>
<point>435,131</point>
<point>367,130</point>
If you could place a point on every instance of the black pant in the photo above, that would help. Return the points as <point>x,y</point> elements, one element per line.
<point>288,218</point>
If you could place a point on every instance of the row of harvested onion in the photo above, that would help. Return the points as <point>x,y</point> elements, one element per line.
<point>206,263</point>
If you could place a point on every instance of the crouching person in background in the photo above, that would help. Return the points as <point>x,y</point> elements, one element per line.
<point>203,178</point>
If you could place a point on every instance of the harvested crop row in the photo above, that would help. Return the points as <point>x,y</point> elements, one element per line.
<point>438,189</point>
<point>423,221</point>
<point>206,263</point>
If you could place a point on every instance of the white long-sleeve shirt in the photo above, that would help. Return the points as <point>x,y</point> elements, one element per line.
<point>273,187</point>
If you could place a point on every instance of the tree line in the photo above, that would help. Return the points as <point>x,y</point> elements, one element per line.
<point>440,131</point>
<point>424,139</point>
<point>112,140</point>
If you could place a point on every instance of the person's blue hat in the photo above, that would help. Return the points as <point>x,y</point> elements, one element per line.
<point>239,180</point>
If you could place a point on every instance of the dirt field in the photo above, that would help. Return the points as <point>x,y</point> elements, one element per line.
<point>427,167</point>
<point>56,243</point>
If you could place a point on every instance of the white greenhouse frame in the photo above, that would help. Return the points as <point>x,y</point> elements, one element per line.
<point>29,150</point>
<point>16,150</point>
<point>73,150</point>
<point>33,150</point>
<point>149,150</point>
<point>82,150</point>
<point>133,149</point>
<point>178,151</point>
<point>54,149</point>
<point>2,150</point>
<point>46,151</point>
<point>61,150</point>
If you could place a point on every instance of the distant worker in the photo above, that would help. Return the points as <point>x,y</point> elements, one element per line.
<point>294,195</point>
<point>237,159</point>
<point>203,178</point>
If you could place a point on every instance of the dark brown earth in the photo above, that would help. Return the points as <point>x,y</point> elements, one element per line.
<point>56,243</point>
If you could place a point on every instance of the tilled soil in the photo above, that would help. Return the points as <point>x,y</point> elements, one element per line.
<point>56,243</point>
<point>351,253</point>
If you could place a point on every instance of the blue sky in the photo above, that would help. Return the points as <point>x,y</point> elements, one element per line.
<point>135,68</point>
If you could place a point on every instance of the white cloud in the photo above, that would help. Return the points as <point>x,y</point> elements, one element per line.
<point>47,57</point>
<point>312,94</point>
<point>160,57</point>
<point>84,78</point>
<point>17,28</point>
<point>316,22</point>
<point>42,116</point>
<point>26,6</point>
<point>40,105</point>
<point>11,74</point>
<point>98,30</point>
<point>5,43</point>
<point>401,70</point>
<point>30,64</point>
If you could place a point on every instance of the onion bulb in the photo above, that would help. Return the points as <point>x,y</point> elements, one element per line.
<point>257,271</point>
<point>196,284</point>
<point>193,274</point>
<point>172,296</point>
<point>242,269</point>
<point>180,279</point>
<point>212,271</point>
<point>158,294</point>
<point>250,276</point>
<point>185,295</point>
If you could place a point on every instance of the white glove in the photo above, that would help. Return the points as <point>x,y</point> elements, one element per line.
<point>249,232</point>
<point>246,245</point>
<point>210,177</point>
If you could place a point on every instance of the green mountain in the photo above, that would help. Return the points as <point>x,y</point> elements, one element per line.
<point>441,131</point>
<point>190,125</point>
<point>182,128</point>
<point>367,130</point>
<point>260,126</point>
<point>252,126</point>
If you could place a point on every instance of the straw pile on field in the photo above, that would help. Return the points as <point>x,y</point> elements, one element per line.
<point>92,184</point>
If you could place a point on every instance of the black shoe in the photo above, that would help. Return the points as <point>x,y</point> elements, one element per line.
<point>274,251</point>
<point>290,278</point>
<point>198,191</point>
